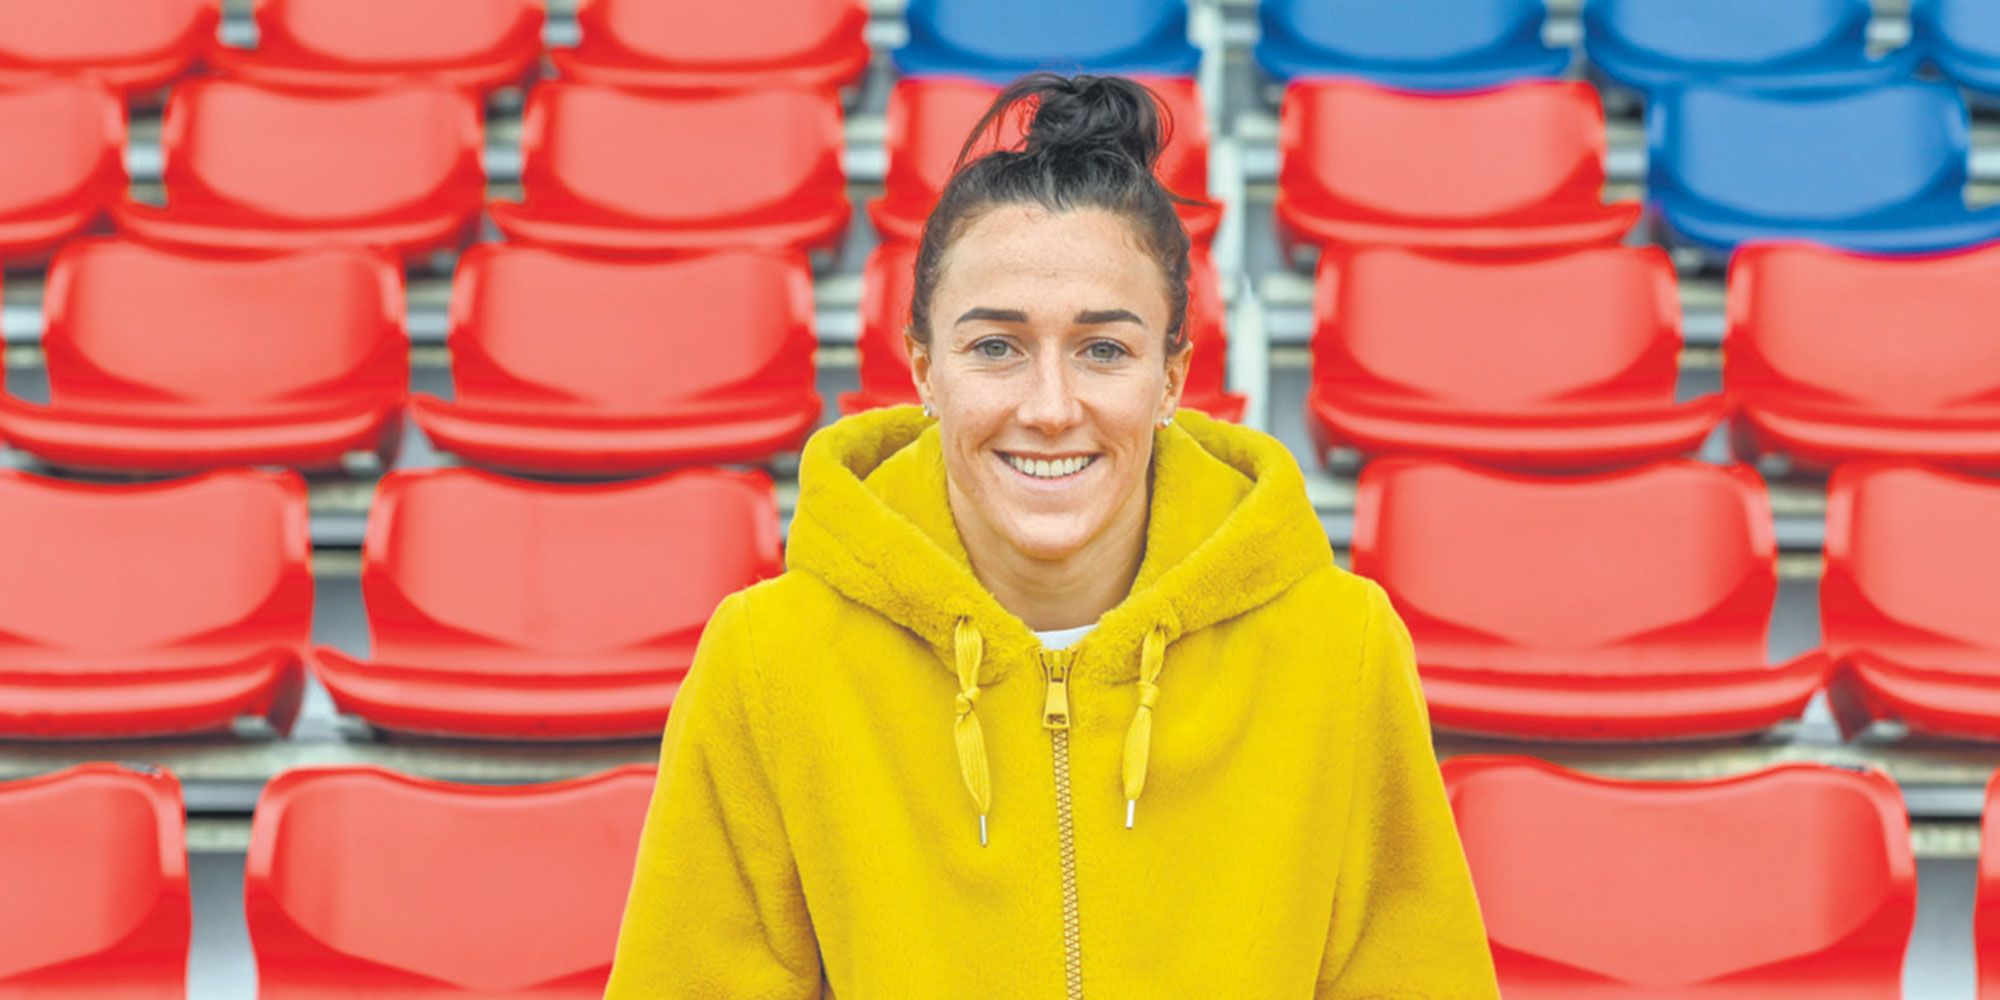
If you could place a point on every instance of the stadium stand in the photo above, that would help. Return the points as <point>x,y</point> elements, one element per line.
<point>1961,38</point>
<point>998,42</point>
<point>1441,45</point>
<point>143,609</point>
<point>569,365</point>
<point>885,313</point>
<point>160,361</point>
<point>362,881</point>
<point>610,170</point>
<point>97,903</point>
<point>1510,169</point>
<point>1792,881</point>
<point>1907,599</point>
<point>1647,46</point>
<point>1880,169</point>
<point>718,46</point>
<point>1555,362</point>
<point>1645,616</point>
<point>1835,357</point>
<point>255,168</point>
<point>928,121</point>
<point>359,44</point>
<point>510,609</point>
<point>76,131</point>
<point>132,46</point>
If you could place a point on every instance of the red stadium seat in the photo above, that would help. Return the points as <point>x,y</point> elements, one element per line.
<point>94,901</point>
<point>1559,362</point>
<point>161,362</point>
<point>718,46</point>
<point>1986,912</point>
<point>1907,601</point>
<point>1512,169</point>
<point>364,882</point>
<point>166,607</point>
<point>131,46</point>
<point>611,170</point>
<point>250,168</point>
<point>576,365</point>
<point>65,162</point>
<point>885,311</point>
<point>1794,881</point>
<point>1622,605</point>
<point>342,44</point>
<point>930,119</point>
<point>510,609</point>
<point>1834,357</point>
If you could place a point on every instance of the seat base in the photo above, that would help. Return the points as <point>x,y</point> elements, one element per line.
<point>145,440</point>
<point>1866,686</point>
<point>1573,440</point>
<point>563,443</point>
<point>481,75</point>
<point>526,223</point>
<point>1599,225</point>
<point>108,704</point>
<point>833,70</point>
<point>1285,59</point>
<point>579,706</point>
<point>1824,440</point>
<point>410,237</point>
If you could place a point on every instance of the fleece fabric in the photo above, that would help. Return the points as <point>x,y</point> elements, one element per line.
<point>868,788</point>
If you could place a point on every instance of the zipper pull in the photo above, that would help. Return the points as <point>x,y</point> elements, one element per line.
<point>1055,711</point>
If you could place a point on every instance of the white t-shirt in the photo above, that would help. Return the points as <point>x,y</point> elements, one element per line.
<point>1063,638</point>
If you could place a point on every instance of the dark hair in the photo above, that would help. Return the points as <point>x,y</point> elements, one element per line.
<point>1093,142</point>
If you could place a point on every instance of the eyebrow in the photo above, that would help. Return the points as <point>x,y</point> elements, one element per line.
<point>1088,317</point>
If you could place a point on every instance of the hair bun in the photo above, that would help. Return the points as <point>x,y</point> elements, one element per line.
<point>1087,115</point>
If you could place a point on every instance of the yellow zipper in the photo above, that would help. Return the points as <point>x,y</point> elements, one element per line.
<point>1055,718</point>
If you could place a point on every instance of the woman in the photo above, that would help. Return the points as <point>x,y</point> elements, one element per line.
<point>1063,694</point>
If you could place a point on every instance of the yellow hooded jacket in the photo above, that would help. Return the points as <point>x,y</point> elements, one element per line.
<point>848,727</point>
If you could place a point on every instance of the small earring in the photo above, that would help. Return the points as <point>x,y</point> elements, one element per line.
<point>927,411</point>
<point>1167,421</point>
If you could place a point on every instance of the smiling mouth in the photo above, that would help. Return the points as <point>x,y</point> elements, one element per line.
<point>1059,468</point>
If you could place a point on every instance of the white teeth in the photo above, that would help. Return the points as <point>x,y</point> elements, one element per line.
<point>1043,469</point>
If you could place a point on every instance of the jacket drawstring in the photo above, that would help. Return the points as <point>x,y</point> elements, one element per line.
<point>967,649</point>
<point>1139,737</point>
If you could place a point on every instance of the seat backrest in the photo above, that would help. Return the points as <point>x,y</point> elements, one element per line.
<point>1396,31</point>
<point>94,879</point>
<point>1470,155</point>
<point>1891,335</point>
<point>369,880</point>
<point>1499,335</point>
<point>1096,36</point>
<point>1672,564</point>
<point>1727,34</point>
<point>1814,156</point>
<point>393,33</point>
<point>305,158</point>
<point>77,133</point>
<point>147,576</point>
<point>681,158</point>
<point>1912,565</point>
<point>1970,26</point>
<point>531,325</point>
<point>527,573</point>
<point>130,323</point>
<point>1796,880</point>
<point>750,33</point>
<point>79,35</point>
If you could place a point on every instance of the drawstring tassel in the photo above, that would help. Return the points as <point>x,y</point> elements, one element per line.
<point>1139,737</point>
<point>967,649</point>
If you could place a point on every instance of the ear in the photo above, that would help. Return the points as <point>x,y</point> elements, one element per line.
<point>1177,370</point>
<point>920,369</point>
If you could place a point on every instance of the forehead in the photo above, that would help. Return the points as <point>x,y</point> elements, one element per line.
<point>1021,256</point>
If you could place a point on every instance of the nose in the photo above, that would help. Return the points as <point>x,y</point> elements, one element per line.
<point>1050,406</point>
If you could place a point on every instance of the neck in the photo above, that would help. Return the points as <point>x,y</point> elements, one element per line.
<point>1058,593</point>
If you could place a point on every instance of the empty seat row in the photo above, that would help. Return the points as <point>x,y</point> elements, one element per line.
<point>137,46</point>
<point>1569,360</point>
<point>1635,605</point>
<point>1520,168</point>
<point>498,608</point>
<point>358,881</point>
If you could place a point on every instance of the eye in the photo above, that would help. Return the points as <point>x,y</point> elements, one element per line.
<point>992,347</point>
<point>1106,350</point>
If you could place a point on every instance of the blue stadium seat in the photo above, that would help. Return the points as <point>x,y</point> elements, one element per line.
<point>1879,170</point>
<point>1646,45</point>
<point>1000,41</point>
<point>1436,45</point>
<point>1963,38</point>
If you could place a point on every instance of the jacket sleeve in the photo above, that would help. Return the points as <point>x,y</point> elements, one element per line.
<point>1406,924</point>
<point>716,907</point>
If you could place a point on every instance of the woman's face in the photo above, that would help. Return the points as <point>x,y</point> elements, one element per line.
<point>1048,372</point>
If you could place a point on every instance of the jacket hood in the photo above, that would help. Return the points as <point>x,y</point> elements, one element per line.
<point>1229,529</point>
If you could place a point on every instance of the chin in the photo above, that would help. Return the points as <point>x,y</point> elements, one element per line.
<point>1054,538</point>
